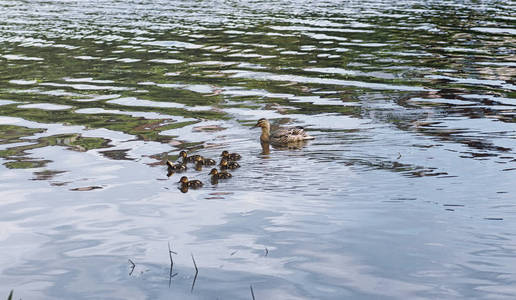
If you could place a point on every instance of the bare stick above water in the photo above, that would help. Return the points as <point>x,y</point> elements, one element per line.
<point>252,292</point>
<point>170,255</point>
<point>195,265</point>
<point>196,272</point>
<point>132,268</point>
<point>170,275</point>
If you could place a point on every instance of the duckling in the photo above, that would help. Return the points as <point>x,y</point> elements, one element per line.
<point>186,158</point>
<point>220,175</point>
<point>216,175</point>
<point>175,168</point>
<point>281,136</point>
<point>196,156</point>
<point>230,156</point>
<point>205,161</point>
<point>225,164</point>
<point>183,188</point>
<point>209,162</point>
<point>190,183</point>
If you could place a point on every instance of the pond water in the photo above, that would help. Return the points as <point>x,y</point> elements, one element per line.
<point>407,192</point>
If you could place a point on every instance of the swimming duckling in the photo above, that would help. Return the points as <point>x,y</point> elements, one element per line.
<point>186,158</point>
<point>281,136</point>
<point>230,156</point>
<point>225,164</point>
<point>205,161</point>
<point>216,175</point>
<point>190,183</point>
<point>183,188</point>
<point>175,168</point>
<point>220,175</point>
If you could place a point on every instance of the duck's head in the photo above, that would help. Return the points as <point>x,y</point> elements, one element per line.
<point>198,159</point>
<point>264,123</point>
<point>225,153</point>
<point>182,154</point>
<point>223,162</point>
<point>214,172</point>
<point>183,180</point>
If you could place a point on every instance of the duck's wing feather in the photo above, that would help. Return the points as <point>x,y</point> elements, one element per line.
<point>292,134</point>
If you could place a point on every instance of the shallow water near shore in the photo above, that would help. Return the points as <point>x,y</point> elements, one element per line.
<point>407,191</point>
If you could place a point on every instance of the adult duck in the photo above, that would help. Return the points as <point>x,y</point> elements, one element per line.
<point>282,135</point>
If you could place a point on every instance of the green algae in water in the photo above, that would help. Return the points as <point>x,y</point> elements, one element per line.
<point>76,142</point>
<point>26,164</point>
<point>12,133</point>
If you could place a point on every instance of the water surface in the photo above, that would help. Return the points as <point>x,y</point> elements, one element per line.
<point>407,192</point>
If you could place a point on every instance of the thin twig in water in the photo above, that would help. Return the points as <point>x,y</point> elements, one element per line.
<point>170,255</point>
<point>196,272</point>
<point>195,265</point>
<point>252,292</point>
<point>170,278</point>
<point>170,275</point>
<point>10,297</point>
<point>233,253</point>
<point>266,251</point>
<point>132,268</point>
<point>399,155</point>
<point>171,250</point>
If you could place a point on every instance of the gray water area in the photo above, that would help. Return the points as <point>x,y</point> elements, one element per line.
<point>407,191</point>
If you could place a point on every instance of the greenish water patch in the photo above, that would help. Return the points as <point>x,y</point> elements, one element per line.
<point>13,134</point>
<point>18,157</point>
